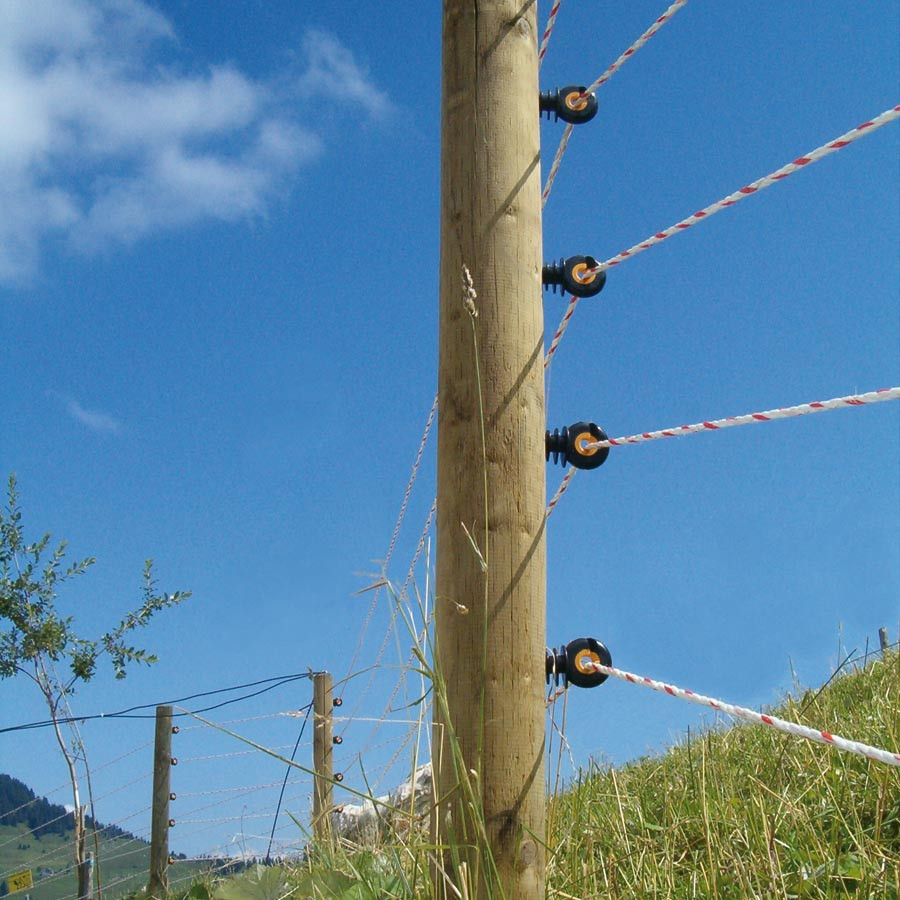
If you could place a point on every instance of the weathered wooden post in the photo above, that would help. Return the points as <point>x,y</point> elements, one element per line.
<point>159,821</point>
<point>323,751</point>
<point>85,868</point>
<point>491,572</point>
<point>883,639</point>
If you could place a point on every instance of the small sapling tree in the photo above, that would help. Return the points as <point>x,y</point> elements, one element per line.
<point>41,644</point>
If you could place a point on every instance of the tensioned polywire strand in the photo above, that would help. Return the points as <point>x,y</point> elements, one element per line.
<point>771,415</point>
<point>567,133</point>
<point>390,552</point>
<point>754,187</point>
<point>748,715</point>
<point>548,30</point>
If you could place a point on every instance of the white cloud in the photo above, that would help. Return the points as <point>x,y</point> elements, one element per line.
<point>332,72</point>
<point>97,421</point>
<point>100,144</point>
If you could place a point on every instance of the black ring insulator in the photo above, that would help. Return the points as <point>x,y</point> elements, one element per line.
<point>569,275</point>
<point>566,443</point>
<point>570,103</point>
<point>586,647</point>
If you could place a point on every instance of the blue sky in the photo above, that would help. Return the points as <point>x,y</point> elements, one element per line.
<point>218,287</point>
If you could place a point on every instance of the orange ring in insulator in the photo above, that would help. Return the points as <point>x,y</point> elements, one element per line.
<point>576,100</point>
<point>583,274</point>
<point>585,438</point>
<point>579,662</point>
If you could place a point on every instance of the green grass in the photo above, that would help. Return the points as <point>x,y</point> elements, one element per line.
<point>732,814</point>
<point>50,861</point>
<point>746,812</point>
<point>124,863</point>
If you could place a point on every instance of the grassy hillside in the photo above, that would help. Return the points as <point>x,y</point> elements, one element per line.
<point>736,813</point>
<point>747,812</point>
<point>124,862</point>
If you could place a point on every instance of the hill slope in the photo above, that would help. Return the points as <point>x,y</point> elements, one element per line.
<point>747,811</point>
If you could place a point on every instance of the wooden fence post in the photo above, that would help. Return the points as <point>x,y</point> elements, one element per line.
<point>490,595</point>
<point>323,749</point>
<point>85,868</point>
<point>159,822</point>
<point>883,639</point>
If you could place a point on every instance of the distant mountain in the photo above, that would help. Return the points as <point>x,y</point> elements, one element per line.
<point>19,805</point>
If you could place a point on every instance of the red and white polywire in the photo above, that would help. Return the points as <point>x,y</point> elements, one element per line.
<point>637,44</point>
<point>560,331</point>
<point>390,552</point>
<point>786,412</point>
<point>801,162</point>
<point>782,173</point>
<point>551,21</point>
<point>749,715</point>
<point>567,133</point>
<point>561,490</point>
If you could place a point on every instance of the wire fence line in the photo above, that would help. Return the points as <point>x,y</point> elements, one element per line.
<point>816,735</point>
<point>801,162</point>
<point>607,74</point>
<point>249,824</point>
<point>881,395</point>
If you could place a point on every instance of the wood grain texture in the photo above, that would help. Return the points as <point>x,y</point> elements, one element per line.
<point>489,622</point>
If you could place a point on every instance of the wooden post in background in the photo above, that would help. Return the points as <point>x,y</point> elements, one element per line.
<point>490,594</point>
<point>159,821</point>
<point>85,869</point>
<point>883,639</point>
<point>323,750</point>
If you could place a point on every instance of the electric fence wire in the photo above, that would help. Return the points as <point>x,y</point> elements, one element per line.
<point>420,546</point>
<point>127,713</point>
<point>230,755</point>
<point>415,726</point>
<point>567,132</point>
<point>37,799</point>
<point>748,715</point>
<point>245,719</point>
<point>68,786</point>
<point>66,814</point>
<point>754,187</point>
<point>403,506</point>
<point>817,406</point>
<point>35,861</point>
<point>262,810</point>
<point>286,775</point>
<point>182,795</point>
<point>548,30</point>
<point>844,140</point>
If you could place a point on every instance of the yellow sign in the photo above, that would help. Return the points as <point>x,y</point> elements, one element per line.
<point>20,881</point>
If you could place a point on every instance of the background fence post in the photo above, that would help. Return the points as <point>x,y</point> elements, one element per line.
<point>159,823</point>
<point>86,866</point>
<point>323,749</point>
<point>883,639</point>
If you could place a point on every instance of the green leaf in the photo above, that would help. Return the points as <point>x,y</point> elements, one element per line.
<point>263,883</point>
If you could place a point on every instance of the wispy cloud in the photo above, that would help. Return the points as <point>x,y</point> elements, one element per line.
<point>332,72</point>
<point>105,139</point>
<point>94,419</point>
